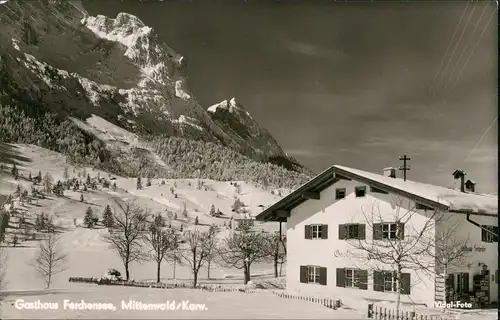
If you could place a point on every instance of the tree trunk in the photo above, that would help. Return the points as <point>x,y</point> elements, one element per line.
<point>158,270</point>
<point>398,287</point>
<point>247,273</point>
<point>195,278</point>
<point>174,269</point>
<point>208,270</point>
<point>127,273</point>
<point>281,269</point>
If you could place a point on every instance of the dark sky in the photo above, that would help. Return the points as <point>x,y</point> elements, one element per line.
<point>347,83</point>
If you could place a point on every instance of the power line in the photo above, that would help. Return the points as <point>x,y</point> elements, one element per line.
<point>468,59</point>
<point>466,47</point>
<point>474,49</point>
<point>449,46</point>
<point>456,45</point>
<point>481,139</point>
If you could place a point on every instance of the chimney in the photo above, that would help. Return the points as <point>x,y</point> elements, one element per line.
<point>470,186</point>
<point>389,172</point>
<point>460,174</point>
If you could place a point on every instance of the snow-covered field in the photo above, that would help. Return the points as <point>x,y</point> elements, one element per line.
<point>218,305</point>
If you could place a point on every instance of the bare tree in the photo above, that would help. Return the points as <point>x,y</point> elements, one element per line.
<point>161,243</point>
<point>212,246</point>
<point>242,249</point>
<point>393,246</point>
<point>196,253</point>
<point>49,259</point>
<point>174,257</point>
<point>128,234</point>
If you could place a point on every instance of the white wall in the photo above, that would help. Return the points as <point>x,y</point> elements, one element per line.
<point>322,252</point>
<point>466,231</point>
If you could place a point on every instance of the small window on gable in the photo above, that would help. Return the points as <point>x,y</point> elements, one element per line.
<point>376,190</point>
<point>360,191</point>
<point>419,206</point>
<point>339,193</point>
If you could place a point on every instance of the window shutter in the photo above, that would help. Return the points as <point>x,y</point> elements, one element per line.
<point>483,233</point>
<point>307,232</point>
<point>324,231</point>
<point>377,231</point>
<point>401,231</point>
<point>341,277</point>
<point>405,283</point>
<point>465,282</point>
<point>378,281</point>
<point>303,274</point>
<point>363,279</point>
<point>342,231</point>
<point>362,232</point>
<point>322,276</point>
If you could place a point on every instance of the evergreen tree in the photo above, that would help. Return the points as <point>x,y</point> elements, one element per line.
<point>88,219</point>
<point>66,174</point>
<point>107,217</point>
<point>81,197</point>
<point>139,183</point>
<point>175,216</point>
<point>15,172</point>
<point>47,182</point>
<point>39,177</point>
<point>88,179</point>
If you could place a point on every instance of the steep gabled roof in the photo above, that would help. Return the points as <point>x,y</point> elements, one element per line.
<point>439,198</point>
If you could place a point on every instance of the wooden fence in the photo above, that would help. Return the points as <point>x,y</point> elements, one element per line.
<point>380,313</point>
<point>326,302</point>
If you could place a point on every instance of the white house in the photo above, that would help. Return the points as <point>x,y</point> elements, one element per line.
<point>330,219</point>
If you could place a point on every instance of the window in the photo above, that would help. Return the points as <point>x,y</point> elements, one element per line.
<point>389,230</point>
<point>390,282</point>
<point>339,193</point>
<point>386,281</point>
<point>312,274</point>
<point>491,236</point>
<point>462,283</point>
<point>316,231</point>
<point>351,278</point>
<point>360,191</point>
<point>352,231</point>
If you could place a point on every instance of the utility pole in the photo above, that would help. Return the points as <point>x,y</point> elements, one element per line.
<point>404,168</point>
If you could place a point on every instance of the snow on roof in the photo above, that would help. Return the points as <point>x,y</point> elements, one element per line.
<point>453,199</point>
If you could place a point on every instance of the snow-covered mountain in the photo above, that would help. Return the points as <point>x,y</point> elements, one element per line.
<point>77,65</point>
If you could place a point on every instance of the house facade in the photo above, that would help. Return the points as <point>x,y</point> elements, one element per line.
<point>348,230</point>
